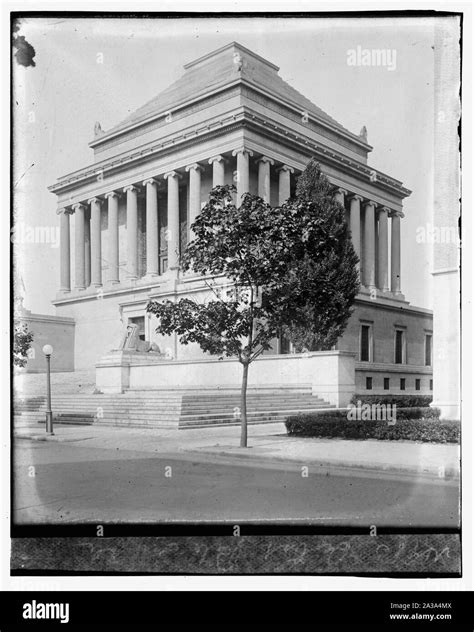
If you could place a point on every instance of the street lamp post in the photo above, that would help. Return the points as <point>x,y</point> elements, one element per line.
<point>48,352</point>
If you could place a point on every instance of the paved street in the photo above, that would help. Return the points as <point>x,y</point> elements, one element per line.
<point>74,482</point>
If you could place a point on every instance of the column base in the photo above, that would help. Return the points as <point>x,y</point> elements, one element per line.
<point>398,295</point>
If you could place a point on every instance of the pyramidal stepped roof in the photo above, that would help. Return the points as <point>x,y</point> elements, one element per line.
<point>217,70</point>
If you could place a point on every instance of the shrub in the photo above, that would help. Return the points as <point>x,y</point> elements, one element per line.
<point>421,412</point>
<point>336,424</point>
<point>403,401</point>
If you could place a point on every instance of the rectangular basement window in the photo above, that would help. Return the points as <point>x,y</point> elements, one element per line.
<point>402,383</point>
<point>417,384</point>
<point>368,383</point>
<point>431,385</point>
<point>386,383</point>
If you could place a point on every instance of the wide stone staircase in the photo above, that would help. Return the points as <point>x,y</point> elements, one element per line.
<point>177,408</point>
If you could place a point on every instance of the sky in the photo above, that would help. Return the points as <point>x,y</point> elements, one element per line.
<point>90,70</point>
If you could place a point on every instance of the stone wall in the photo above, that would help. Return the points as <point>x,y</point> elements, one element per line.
<point>56,331</point>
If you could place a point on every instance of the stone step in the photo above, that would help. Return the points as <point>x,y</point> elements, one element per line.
<point>269,388</point>
<point>161,397</point>
<point>71,420</point>
<point>166,408</point>
<point>175,408</point>
<point>230,409</point>
<point>98,401</point>
<point>212,423</point>
<point>134,423</point>
<point>256,413</point>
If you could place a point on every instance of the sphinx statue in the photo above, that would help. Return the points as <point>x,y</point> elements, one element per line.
<point>130,341</point>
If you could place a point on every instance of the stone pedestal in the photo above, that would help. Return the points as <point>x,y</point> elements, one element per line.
<point>113,369</point>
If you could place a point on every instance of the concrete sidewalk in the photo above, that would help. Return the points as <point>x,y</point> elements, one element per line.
<point>267,443</point>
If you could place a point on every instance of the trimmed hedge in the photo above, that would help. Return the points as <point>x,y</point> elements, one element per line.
<point>417,413</point>
<point>335,424</point>
<point>404,401</point>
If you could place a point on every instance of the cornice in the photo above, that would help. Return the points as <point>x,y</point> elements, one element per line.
<point>211,95</point>
<point>329,156</point>
<point>183,139</point>
<point>245,118</point>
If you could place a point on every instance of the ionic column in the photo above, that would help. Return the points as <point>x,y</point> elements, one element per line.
<point>383,249</point>
<point>194,171</point>
<point>354,223</point>
<point>65,250</point>
<point>87,251</point>
<point>173,219</point>
<point>79,210</point>
<point>113,237</point>
<point>339,196</point>
<point>243,172</point>
<point>369,245</point>
<point>284,174</point>
<point>132,231</point>
<point>396,259</point>
<point>218,170</point>
<point>264,178</point>
<point>151,227</point>
<point>96,242</point>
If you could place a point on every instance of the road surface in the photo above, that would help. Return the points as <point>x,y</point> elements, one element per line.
<point>66,483</point>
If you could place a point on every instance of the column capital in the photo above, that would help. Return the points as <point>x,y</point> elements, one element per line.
<point>285,168</point>
<point>79,206</point>
<point>370,203</point>
<point>94,200</point>
<point>112,194</point>
<point>130,187</point>
<point>396,213</point>
<point>196,166</point>
<point>354,196</point>
<point>265,159</point>
<point>218,158</point>
<point>64,211</point>
<point>242,150</point>
<point>172,174</point>
<point>151,181</point>
<point>383,209</point>
<point>341,190</point>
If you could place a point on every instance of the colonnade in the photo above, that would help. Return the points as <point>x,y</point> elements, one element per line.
<point>364,214</point>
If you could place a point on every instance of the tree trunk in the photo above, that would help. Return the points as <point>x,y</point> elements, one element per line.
<point>243,406</point>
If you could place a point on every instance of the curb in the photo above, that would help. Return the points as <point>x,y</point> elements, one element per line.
<point>450,472</point>
<point>31,437</point>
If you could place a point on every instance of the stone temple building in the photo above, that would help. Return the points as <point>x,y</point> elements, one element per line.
<point>230,118</point>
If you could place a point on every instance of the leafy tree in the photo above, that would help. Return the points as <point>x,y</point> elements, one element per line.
<point>290,268</point>
<point>22,339</point>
